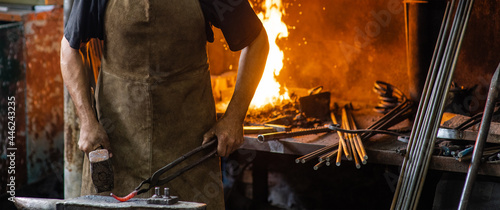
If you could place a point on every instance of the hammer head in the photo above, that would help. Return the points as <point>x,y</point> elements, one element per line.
<point>101,170</point>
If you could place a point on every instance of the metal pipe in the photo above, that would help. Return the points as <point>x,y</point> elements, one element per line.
<point>480,141</point>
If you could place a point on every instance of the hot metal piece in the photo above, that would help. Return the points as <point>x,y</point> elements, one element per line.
<point>126,198</point>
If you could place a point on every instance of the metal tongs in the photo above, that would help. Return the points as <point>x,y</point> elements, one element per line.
<point>155,180</point>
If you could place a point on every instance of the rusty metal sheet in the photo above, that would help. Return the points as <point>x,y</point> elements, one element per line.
<point>12,84</point>
<point>43,33</point>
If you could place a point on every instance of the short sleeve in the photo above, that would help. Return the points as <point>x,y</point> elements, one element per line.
<point>85,22</point>
<point>236,19</point>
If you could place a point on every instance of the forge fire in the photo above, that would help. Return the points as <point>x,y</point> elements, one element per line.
<point>341,104</point>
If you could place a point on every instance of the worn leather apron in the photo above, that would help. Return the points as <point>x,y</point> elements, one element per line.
<point>154,96</point>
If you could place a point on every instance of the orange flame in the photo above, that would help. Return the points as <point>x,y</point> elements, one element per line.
<point>268,91</point>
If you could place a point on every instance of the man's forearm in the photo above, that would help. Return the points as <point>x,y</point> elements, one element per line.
<point>76,81</point>
<point>251,66</point>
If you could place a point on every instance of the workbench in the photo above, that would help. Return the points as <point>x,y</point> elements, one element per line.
<point>381,149</point>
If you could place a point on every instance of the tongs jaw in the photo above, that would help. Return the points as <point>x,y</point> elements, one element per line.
<point>155,180</point>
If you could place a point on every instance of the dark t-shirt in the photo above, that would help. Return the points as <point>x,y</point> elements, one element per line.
<point>236,19</point>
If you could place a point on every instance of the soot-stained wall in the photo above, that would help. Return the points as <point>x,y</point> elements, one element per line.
<point>347,45</point>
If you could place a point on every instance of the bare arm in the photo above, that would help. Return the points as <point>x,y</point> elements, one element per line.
<point>92,134</point>
<point>229,130</point>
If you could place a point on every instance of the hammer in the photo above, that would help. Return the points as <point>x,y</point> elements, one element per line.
<point>101,170</point>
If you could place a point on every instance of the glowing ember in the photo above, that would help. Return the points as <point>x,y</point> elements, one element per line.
<point>268,91</point>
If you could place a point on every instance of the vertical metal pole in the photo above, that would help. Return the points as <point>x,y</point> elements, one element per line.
<point>413,145</point>
<point>480,141</point>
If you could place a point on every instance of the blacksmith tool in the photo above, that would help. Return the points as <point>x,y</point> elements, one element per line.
<point>101,170</point>
<point>155,180</point>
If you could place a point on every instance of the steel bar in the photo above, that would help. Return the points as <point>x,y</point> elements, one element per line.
<point>285,134</point>
<point>462,21</point>
<point>316,153</point>
<point>426,136</point>
<point>341,137</point>
<point>330,155</point>
<point>422,138</point>
<point>423,117</point>
<point>350,117</point>
<point>327,156</point>
<point>339,157</point>
<point>319,165</point>
<point>388,118</point>
<point>481,140</point>
<point>452,53</point>
<point>356,148</point>
<point>351,147</point>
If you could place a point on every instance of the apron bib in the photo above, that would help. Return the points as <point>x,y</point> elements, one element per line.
<point>154,97</point>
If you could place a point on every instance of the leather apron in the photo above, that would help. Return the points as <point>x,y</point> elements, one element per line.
<point>154,96</point>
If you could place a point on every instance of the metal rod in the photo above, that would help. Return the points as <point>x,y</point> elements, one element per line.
<point>401,192</point>
<point>319,165</point>
<point>316,153</point>
<point>330,155</point>
<point>422,156</point>
<point>341,138</point>
<point>462,21</point>
<point>480,141</point>
<point>339,156</point>
<point>357,138</point>
<point>350,143</point>
<point>437,104</point>
<point>290,134</point>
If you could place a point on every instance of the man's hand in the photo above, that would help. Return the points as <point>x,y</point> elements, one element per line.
<point>93,135</point>
<point>229,130</point>
<point>229,133</point>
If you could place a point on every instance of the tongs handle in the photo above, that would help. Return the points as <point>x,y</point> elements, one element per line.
<point>155,180</point>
